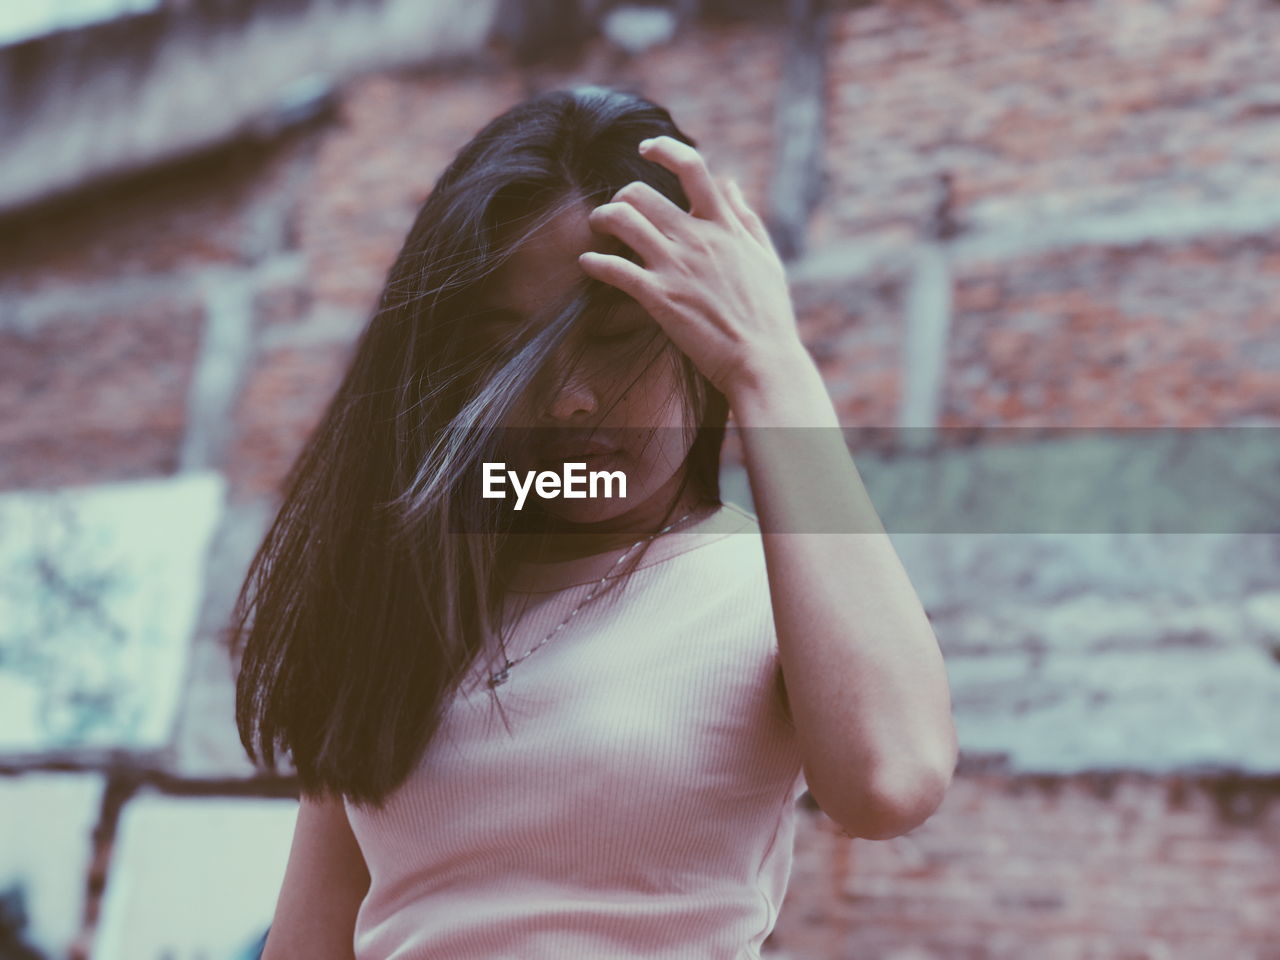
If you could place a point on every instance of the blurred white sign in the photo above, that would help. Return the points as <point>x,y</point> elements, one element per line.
<point>100,588</point>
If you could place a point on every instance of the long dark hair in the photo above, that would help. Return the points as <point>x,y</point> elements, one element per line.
<point>363,607</point>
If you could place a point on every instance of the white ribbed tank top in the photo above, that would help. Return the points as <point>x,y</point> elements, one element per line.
<point>643,804</point>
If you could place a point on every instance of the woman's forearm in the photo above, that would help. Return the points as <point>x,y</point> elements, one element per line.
<point>864,675</point>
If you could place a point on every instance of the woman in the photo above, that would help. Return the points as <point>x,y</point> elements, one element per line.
<point>578,288</point>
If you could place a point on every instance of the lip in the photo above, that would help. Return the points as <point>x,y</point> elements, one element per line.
<point>580,451</point>
<point>578,456</point>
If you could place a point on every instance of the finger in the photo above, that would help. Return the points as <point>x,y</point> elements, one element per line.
<point>631,278</point>
<point>750,219</point>
<point>629,225</point>
<point>689,167</point>
<point>657,208</point>
<point>736,203</point>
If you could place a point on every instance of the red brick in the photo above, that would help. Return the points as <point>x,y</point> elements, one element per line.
<point>97,395</point>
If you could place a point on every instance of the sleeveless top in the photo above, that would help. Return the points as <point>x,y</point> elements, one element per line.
<point>640,799</point>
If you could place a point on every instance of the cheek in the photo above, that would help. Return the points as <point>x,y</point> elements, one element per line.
<point>662,435</point>
<point>655,399</point>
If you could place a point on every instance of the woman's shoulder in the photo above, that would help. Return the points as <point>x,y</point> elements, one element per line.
<point>742,517</point>
<point>743,547</point>
<point>725,521</point>
<point>726,554</point>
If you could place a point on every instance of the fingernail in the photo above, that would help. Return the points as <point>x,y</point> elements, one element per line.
<point>646,142</point>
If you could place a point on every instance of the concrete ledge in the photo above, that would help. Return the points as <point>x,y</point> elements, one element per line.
<point>116,96</point>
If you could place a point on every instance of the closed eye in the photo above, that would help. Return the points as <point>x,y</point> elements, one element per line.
<point>493,326</point>
<point>620,325</point>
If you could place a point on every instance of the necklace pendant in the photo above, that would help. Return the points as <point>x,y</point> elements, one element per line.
<point>499,677</point>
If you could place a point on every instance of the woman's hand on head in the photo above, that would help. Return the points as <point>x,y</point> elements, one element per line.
<point>711,276</point>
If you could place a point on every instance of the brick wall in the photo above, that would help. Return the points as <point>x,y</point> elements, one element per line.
<point>1084,866</point>
<point>1048,113</point>
<point>1055,106</point>
<point>1160,334</point>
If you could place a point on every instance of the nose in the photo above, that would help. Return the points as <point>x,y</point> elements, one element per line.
<point>571,395</point>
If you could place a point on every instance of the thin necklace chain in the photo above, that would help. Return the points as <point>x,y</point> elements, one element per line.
<point>501,676</point>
